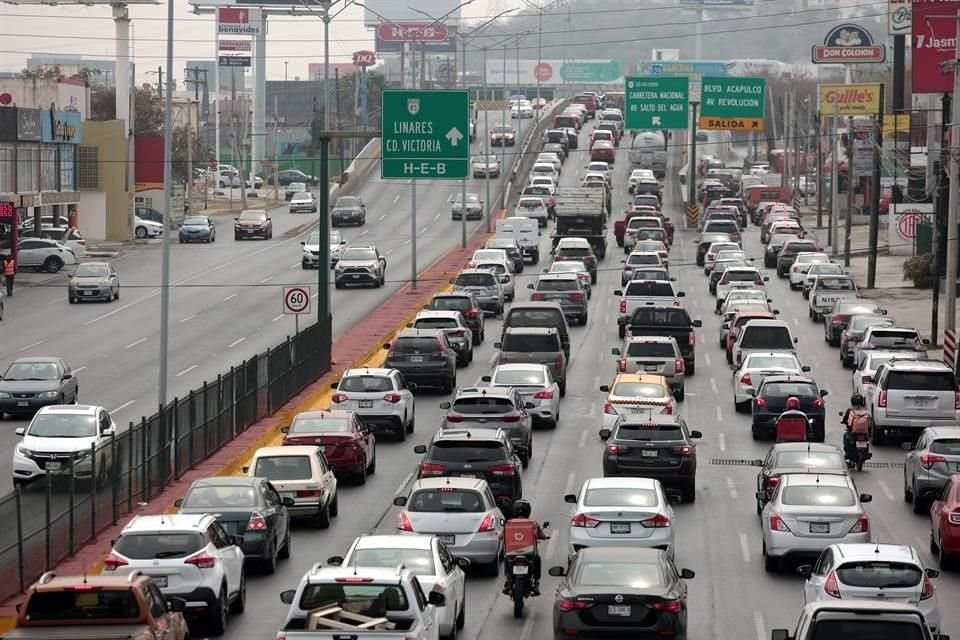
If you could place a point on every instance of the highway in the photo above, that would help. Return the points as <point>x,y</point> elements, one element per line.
<point>718,536</point>
<point>225,301</point>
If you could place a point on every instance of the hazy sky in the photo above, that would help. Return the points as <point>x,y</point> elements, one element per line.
<point>89,31</point>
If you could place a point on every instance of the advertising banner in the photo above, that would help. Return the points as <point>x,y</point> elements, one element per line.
<point>554,73</point>
<point>934,39</point>
<point>902,226</point>
<point>849,99</point>
<point>898,19</point>
<point>862,154</point>
<point>688,68</point>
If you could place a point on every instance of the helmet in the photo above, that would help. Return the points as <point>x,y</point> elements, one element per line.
<point>856,400</point>
<point>521,509</point>
<point>793,404</point>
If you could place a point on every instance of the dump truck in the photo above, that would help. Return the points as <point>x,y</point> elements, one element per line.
<point>581,212</point>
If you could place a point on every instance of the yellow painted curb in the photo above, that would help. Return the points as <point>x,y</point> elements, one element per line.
<point>8,623</point>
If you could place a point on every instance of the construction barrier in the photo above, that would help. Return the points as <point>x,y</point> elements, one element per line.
<point>950,348</point>
<point>693,216</point>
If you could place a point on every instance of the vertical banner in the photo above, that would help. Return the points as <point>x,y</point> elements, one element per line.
<point>934,42</point>
<point>235,28</point>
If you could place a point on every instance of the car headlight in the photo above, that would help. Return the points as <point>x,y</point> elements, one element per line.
<point>23,451</point>
<point>49,394</point>
<point>105,282</point>
<point>80,455</point>
<point>4,394</point>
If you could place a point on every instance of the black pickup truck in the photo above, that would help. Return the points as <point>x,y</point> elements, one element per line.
<point>671,321</point>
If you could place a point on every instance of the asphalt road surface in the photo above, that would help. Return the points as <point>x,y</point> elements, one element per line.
<point>226,300</point>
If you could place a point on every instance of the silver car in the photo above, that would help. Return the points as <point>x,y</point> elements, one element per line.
<point>303,202</point>
<point>809,512</point>
<point>573,266</point>
<point>929,465</point>
<point>870,361</point>
<point>536,386</point>
<point>655,355</point>
<point>502,271</point>
<point>461,512</point>
<point>94,281</point>
<point>485,286</point>
<point>620,512</point>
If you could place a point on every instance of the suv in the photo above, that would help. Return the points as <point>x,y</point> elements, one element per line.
<point>492,408</point>
<point>791,248</point>
<point>59,438</point>
<point>188,556</point>
<point>929,465</point>
<point>453,324</point>
<point>514,252</point>
<point>360,264</point>
<point>836,320</point>
<point>348,210</point>
<point>539,314</point>
<point>658,355</point>
<point>536,345</point>
<point>770,400</point>
<point>467,304</point>
<point>381,397</point>
<point>912,395</point>
<point>577,249</point>
<point>484,285</point>
<point>565,289</point>
<point>424,357</point>
<point>480,453</point>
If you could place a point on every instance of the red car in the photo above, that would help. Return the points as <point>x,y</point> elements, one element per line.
<point>602,150</point>
<point>253,223</point>
<point>348,444</point>
<point>945,522</point>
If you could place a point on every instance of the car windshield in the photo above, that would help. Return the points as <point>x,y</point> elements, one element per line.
<point>536,190</point>
<point>639,390</point>
<point>60,425</point>
<point>835,284</point>
<point>818,495</point>
<point>483,405</point>
<point>86,605</point>
<point>366,384</point>
<point>253,216</point>
<point>773,361</point>
<point>740,276</point>
<point>225,496</point>
<point>644,258</point>
<point>360,255</point>
<point>619,497</point>
<point>363,599</point>
<point>766,337</point>
<point>651,432</point>
<point>475,280</point>
<point>450,303</point>
<point>412,345</point>
<point>282,468</point>
<point>653,289</point>
<point>825,269</point>
<point>335,237</point>
<point>535,318</point>
<point>574,251</point>
<point>326,424</point>
<point>446,500</point>
<point>492,159</point>
<point>436,323</point>
<point>91,271</point>
<point>921,381</point>
<point>798,247</point>
<point>651,349</point>
<point>418,561</point>
<point>878,574</point>
<point>303,195</point>
<point>872,629</point>
<point>537,343</point>
<point>314,239</point>
<point>619,574</point>
<point>497,267</point>
<point>819,459</point>
<point>348,202</point>
<point>196,220</point>
<point>472,198</point>
<point>519,378</point>
<point>565,266</point>
<point>860,323</point>
<point>502,129</point>
<point>946,446</point>
<point>26,370</point>
<point>894,336</point>
<point>788,389</point>
<point>156,546</point>
<point>469,451</point>
<point>530,203</point>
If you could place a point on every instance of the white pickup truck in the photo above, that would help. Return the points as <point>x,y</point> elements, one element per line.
<point>647,293</point>
<point>827,291</point>
<point>859,619</point>
<point>360,603</point>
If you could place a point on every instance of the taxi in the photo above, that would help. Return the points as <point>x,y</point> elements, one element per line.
<point>637,394</point>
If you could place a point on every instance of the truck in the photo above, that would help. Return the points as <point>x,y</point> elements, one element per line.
<point>525,231</point>
<point>360,603</point>
<point>829,290</point>
<point>669,321</point>
<point>581,212</point>
<point>859,619</point>
<point>645,293</point>
<point>648,150</point>
<point>98,608</point>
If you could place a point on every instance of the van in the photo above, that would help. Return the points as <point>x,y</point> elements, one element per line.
<point>763,335</point>
<point>912,395</point>
<point>539,314</point>
<point>525,231</point>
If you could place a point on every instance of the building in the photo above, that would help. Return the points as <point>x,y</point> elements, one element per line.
<point>72,65</point>
<point>68,94</point>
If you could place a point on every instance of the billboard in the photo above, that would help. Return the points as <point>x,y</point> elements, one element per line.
<point>554,73</point>
<point>849,99</point>
<point>688,68</point>
<point>898,18</point>
<point>429,47</point>
<point>934,29</point>
<point>377,11</point>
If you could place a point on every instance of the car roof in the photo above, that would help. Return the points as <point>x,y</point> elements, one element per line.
<point>394,541</point>
<point>50,359</point>
<point>70,409</point>
<point>640,419</point>
<point>944,432</point>
<point>620,554</point>
<point>812,479</point>
<point>291,450</point>
<point>168,522</point>
<point>788,378</point>
<point>225,481</point>
<point>621,483</point>
<point>877,551</point>
<point>483,391</point>
<point>651,339</point>
<point>470,271</point>
<point>451,314</point>
<point>324,413</point>
<point>476,484</point>
<point>918,365</point>
<point>812,447</point>
<point>536,305</point>
<point>767,323</point>
<point>531,331</point>
<point>519,366</point>
<point>51,582</point>
<point>370,371</point>
<point>470,434</point>
<point>639,377</point>
<point>420,333</point>
<point>558,276</point>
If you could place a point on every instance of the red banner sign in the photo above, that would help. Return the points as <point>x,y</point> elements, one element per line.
<point>413,31</point>
<point>364,58</point>
<point>934,42</point>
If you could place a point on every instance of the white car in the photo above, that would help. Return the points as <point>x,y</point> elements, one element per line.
<point>801,266</point>
<point>304,202</point>
<point>870,361</point>
<point>598,166</point>
<point>490,255</point>
<point>743,296</point>
<point>553,159</point>
<point>713,251</point>
<point>545,170</point>
<point>41,254</point>
<point>485,166</point>
<point>543,181</point>
<point>301,473</point>
<point>739,278</point>
<point>640,175</point>
<point>827,291</point>
<point>758,365</point>
<point>189,556</point>
<point>427,558</point>
<point>60,437</point>
<point>146,228</point>
<point>820,269</point>
<point>536,385</point>
<point>521,109</point>
<point>636,394</point>
<point>380,396</point>
<point>69,237</point>
<point>534,207</point>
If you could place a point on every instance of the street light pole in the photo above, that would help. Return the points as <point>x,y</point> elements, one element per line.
<point>486,145</point>
<point>167,202</point>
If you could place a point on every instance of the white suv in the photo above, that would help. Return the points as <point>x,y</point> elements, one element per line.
<point>380,396</point>
<point>61,435</point>
<point>911,396</point>
<point>188,556</point>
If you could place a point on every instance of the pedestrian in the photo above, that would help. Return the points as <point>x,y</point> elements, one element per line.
<point>9,271</point>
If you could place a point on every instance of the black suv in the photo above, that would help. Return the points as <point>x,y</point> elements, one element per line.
<point>657,446</point>
<point>770,400</point>
<point>481,453</point>
<point>544,315</point>
<point>424,357</point>
<point>789,253</point>
<point>492,408</point>
<point>467,304</point>
<point>707,239</point>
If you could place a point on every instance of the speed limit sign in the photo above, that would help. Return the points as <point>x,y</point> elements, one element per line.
<point>296,300</point>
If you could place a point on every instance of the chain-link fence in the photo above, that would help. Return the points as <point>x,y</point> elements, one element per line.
<point>86,492</point>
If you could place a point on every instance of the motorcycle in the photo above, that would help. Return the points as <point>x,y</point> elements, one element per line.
<point>861,451</point>
<point>521,580</point>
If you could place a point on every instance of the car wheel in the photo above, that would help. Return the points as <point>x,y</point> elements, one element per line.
<point>412,424</point>
<point>239,603</point>
<point>335,505</point>
<point>362,474</point>
<point>140,232</point>
<point>71,299</point>
<point>322,520</point>
<point>689,493</point>
<point>236,237</point>
<point>217,616</point>
<point>462,615</point>
<point>770,564</point>
<point>52,264</point>
<point>181,240</point>
<point>907,492</point>
<point>920,505</point>
<point>269,564</point>
<point>754,431</point>
<point>563,389</point>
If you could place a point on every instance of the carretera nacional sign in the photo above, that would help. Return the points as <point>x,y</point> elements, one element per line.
<point>847,44</point>
<point>849,99</point>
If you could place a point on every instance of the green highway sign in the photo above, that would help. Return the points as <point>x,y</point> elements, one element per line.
<point>592,71</point>
<point>659,102</point>
<point>732,103</point>
<point>425,134</point>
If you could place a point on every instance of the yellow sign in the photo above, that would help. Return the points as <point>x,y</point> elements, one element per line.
<point>893,124</point>
<point>849,99</point>
<point>736,124</point>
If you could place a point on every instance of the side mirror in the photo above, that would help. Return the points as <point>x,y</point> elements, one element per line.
<point>605,388</point>
<point>334,385</point>
<point>618,292</point>
<point>285,429</point>
<point>925,341</point>
<point>303,243</point>
<point>386,347</point>
<point>761,496</point>
<point>883,312</point>
<point>805,570</point>
<point>776,312</point>
<point>687,574</point>
<point>462,562</point>
<point>336,561</point>
<point>530,286</point>
<point>497,345</point>
<point>246,469</point>
<point>67,376</point>
<point>420,448</point>
<point>557,572</point>
<point>779,634</point>
<point>867,379</point>
<point>176,604</point>
<point>445,405</point>
<point>907,446</point>
<point>751,392</point>
<point>604,434</point>
<point>805,369</point>
<point>932,573</point>
<point>681,294</point>
<point>400,501</point>
<point>237,219</point>
<point>286,597</point>
<point>696,434</point>
<point>530,405</point>
<point>795,340</point>
<point>409,325</point>
<point>486,379</point>
<point>698,323</point>
<point>20,431</point>
<point>615,351</point>
<point>865,498</point>
<point>766,278</point>
<point>756,462</point>
<point>570,498</point>
<point>178,502</point>
<point>289,502</point>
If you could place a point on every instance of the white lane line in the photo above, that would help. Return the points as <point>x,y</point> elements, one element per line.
<point>571,478</point>
<point>759,625</point>
<point>732,488</point>
<point>596,382</point>
<point>719,414</point>
<point>122,407</point>
<point>722,440</point>
<point>53,302</point>
<point>886,489</point>
<point>583,439</point>
<point>267,279</point>
<point>795,321</point>
<point>187,319</point>
<point>187,370</point>
<point>31,345</point>
<point>388,252</point>
<point>79,369</point>
<point>278,317</point>
<point>235,343</point>
<point>713,386</point>
<point>403,484</point>
<point>406,242</point>
<point>436,217</point>
<point>744,547</point>
<point>293,266</point>
<point>600,356</point>
<point>424,230</point>
<point>365,232</point>
<point>395,199</point>
<point>135,343</point>
<point>234,295</point>
<point>494,358</point>
<point>380,219</point>
<point>528,624</point>
<point>706,359</point>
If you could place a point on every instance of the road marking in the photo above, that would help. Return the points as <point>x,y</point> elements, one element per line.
<point>365,232</point>
<point>406,242</point>
<point>494,358</point>
<point>388,252</point>
<point>188,318</point>
<point>53,302</point>
<point>583,439</point>
<point>293,266</point>
<point>571,478</point>
<point>706,359</point>
<point>600,356</point>
<point>385,215</point>
<point>395,199</point>
<point>79,369</point>
<point>133,344</point>
<point>152,294</point>
<point>403,484</point>
<point>722,440</point>
<point>436,217</point>
<point>713,386</point>
<point>123,406</point>
<point>278,317</point>
<point>759,625</point>
<point>886,489</point>
<point>732,488</point>
<point>596,382</point>
<point>719,414</point>
<point>528,624</point>
<point>230,297</point>
<point>267,279</point>
<point>235,343</point>
<point>744,547</point>
<point>187,370</point>
<point>424,230</point>
<point>795,321</point>
<point>31,345</point>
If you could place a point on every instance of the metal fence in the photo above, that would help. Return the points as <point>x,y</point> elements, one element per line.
<point>51,518</point>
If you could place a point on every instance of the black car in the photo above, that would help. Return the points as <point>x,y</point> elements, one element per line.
<point>348,210</point>
<point>247,507</point>
<point>481,453</point>
<point>770,400</point>
<point>621,592</point>
<point>795,457</point>
<point>32,382</point>
<point>656,446</point>
<point>287,176</point>
<point>424,357</point>
<point>466,304</point>
<point>789,253</point>
<point>543,315</point>
<point>835,321</point>
<point>704,242</point>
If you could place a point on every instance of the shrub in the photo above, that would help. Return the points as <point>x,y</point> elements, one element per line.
<point>919,269</point>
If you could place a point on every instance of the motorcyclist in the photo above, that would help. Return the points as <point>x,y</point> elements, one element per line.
<point>520,537</point>
<point>857,421</point>
<point>792,423</point>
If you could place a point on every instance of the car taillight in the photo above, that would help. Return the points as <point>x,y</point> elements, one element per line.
<point>773,481</point>
<point>746,380</point>
<point>882,399</point>
<point>558,364</point>
<point>818,403</point>
<point>488,524</point>
<point>393,398</point>
<point>616,448</point>
<point>454,417</point>
<point>622,365</point>
<point>113,561</point>
<point>795,269</point>
<point>956,400</point>
<point>711,256</point>
<point>760,402</point>
<point>457,334</point>
<point>668,410</point>
<point>584,521</point>
<point>502,469</point>
<point>608,409</point>
<point>510,418</point>
<point>862,526</point>
<point>668,606</point>
<point>836,320</point>
<point>202,561</point>
<point>473,313</point>
<point>830,586</point>
<point>568,604</point>
<point>403,522</point>
<point>928,589</point>
<point>576,297</point>
<point>954,517</point>
<point>927,460</point>
<point>692,339</point>
<point>546,394</point>
<point>338,398</point>
<point>740,358</point>
<point>777,523</point>
<point>309,493</point>
<point>623,306</point>
<point>256,522</point>
<point>429,469</point>
<point>471,265</point>
<point>659,521</point>
<point>538,296</point>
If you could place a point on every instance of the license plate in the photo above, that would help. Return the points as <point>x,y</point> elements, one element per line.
<point>416,358</point>
<point>619,527</point>
<point>160,581</point>
<point>23,403</point>
<point>448,539</point>
<point>468,475</point>
<point>819,527</point>
<point>922,402</point>
<point>649,367</point>
<point>622,610</point>
<point>862,444</point>
<point>52,466</point>
<point>87,293</point>
<point>521,570</point>
<point>366,404</point>
<point>648,454</point>
<point>355,277</point>
<point>640,411</point>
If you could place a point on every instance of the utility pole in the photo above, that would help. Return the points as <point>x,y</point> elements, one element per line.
<point>336,81</point>
<point>938,177</point>
<point>819,140</point>
<point>160,82</point>
<point>276,150</point>
<point>189,185</point>
<point>851,178</point>
<point>834,181</point>
<point>192,76</point>
<point>953,247</point>
<point>874,229</point>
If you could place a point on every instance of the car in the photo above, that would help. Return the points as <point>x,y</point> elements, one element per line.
<point>770,400</point>
<point>381,397</point>
<point>868,363</point>
<point>348,445</point>
<point>32,382</point>
<point>736,312</point>
<point>539,314</point>
<point>485,166</point>
<point>720,267</point>
<point>461,512</point>
<point>730,249</point>
<point>762,335</point>
<point>474,207</point>
<point>744,296</point>
<point>66,439</point>
<point>635,513</point>
<point>454,325</point>
<point>93,281</point>
<point>305,202</point>
<point>791,247</point>
<point>197,229</point>
<point>929,464</point>
<point>513,250</point>
<point>641,260</point>
<point>43,255</point>
<point>836,319</point>
<point>659,355</point>
<point>705,241</point>
<point>890,339</point>
<point>360,264</point>
<point>577,249</point>
<point>603,167</point>
<point>566,289</point>
<point>636,175</point>
<point>69,237</point>
<point>826,291</point>
<point>879,572</point>
<point>488,407</point>
<point>556,148</point>
<point>636,394</point>
<point>801,266</point>
<point>521,109</point>
<point>288,176</point>
<point>944,527</point>
<point>573,266</point>
<point>809,512</point>
<point>253,223</point>
<point>626,591</point>
<point>428,558</point>
<point>739,278</point>
<point>294,188</point>
<point>502,268</point>
<point>348,210</point>
<point>547,169</point>
<point>551,158</point>
<point>535,345</point>
<point>853,335</point>
<point>468,306</point>
<point>603,150</point>
<point>819,269</point>
<point>424,357</point>
<point>774,246</point>
<point>654,446</point>
<point>247,507</point>
<point>490,256</point>
<point>912,395</point>
<point>485,286</point>
<point>795,457</point>
<point>192,557</point>
<point>754,370</point>
<point>503,135</point>
<point>537,387</point>
<point>533,207</point>
<point>303,474</point>
<point>143,228</point>
<point>310,258</point>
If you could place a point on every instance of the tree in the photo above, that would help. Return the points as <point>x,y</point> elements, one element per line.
<point>182,172</point>
<point>148,110</point>
<point>54,71</point>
